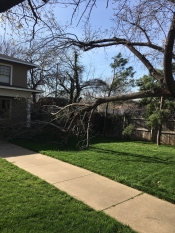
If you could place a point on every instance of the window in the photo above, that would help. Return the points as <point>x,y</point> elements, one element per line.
<point>4,108</point>
<point>5,74</point>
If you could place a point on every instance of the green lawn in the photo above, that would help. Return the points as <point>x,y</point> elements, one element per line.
<point>30,205</point>
<point>141,165</point>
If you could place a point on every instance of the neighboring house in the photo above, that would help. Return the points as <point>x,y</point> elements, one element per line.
<point>14,94</point>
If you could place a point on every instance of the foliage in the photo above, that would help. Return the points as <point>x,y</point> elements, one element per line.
<point>157,117</point>
<point>121,81</point>
<point>147,82</point>
<point>153,113</point>
<point>129,130</point>
<point>122,76</point>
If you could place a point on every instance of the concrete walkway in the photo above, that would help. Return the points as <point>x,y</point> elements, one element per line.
<point>142,212</point>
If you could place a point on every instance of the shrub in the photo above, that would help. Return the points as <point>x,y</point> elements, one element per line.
<point>129,130</point>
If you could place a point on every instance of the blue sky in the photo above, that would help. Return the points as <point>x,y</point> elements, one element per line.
<point>100,58</point>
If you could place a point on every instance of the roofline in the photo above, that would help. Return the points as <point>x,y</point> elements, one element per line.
<point>21,89</point>
<point>21,62</point>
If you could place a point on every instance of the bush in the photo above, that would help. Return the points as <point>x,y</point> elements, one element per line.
<point>129,130</point>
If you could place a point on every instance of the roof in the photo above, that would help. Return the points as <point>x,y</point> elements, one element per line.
<point>20,89</point>
<point>16,60</point>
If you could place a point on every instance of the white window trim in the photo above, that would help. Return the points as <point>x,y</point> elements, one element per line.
<point>11,73</point>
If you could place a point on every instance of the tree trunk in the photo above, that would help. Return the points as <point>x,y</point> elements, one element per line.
<point>160,126</point>
<point>76,78</point>
<point>151,134</point>
<point>159,134</point>
<point>169,79</point>
<point>88,129</point>
<point>124,125</point>
<point>106,109</point>
<point>34,99</point>
<point>105,120</point>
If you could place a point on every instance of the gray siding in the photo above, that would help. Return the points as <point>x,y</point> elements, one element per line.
<point>19,77</point>
<point>19,73</point>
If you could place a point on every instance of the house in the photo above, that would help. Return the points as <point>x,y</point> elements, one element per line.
<point>15,97</point>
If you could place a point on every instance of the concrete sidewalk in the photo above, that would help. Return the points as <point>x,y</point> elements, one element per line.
<point>142,212</point>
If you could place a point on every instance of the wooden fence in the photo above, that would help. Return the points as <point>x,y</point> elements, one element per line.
<point>144,133</point>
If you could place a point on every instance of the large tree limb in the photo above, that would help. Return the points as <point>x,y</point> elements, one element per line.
<point>145,61</point>
<point>116,41</point>
<point>169,80</point>
<point>81,109</point>
<point>156,92</point>
<point>130,46</point>
<point>7,4</point>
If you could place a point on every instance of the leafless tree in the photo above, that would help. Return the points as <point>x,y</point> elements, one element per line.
<point>38,14</point>
<point>28,17</point>
<point>41,76</point>
<point>9,49</point>
<point>69,77</point>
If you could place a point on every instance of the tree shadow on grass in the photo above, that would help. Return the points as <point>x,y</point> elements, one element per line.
<point>133,157</point>
<point>38,145</point>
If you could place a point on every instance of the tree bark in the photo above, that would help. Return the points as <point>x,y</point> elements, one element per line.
<point>159,126</point>
<point>81,108</point>
<point>124,125</point>
<point>34,98</point>
<point>159,134</point>
<point>105,120</point>
<point>169,80</point>
<point>76,78</point>
<point>7,4</point>
<point>88,129</point>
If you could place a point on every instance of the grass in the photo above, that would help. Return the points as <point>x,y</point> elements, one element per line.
<point>28,204</point>
<point>141,165</point>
